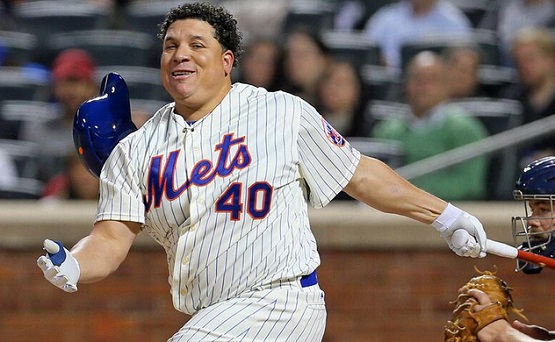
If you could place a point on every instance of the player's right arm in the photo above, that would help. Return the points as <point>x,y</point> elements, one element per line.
<point>104,249</point>
<point>92,259</point>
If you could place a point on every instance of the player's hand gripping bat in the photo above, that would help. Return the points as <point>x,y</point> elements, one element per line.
<point>460,237</point>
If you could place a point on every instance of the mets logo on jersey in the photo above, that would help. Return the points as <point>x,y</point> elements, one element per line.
<point>332,134</point>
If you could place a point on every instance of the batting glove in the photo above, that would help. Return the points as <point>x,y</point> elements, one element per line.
<point>453,219</point>
<point>59,266</point>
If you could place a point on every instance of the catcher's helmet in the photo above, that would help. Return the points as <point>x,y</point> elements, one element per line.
<point>100,123</point>
<point>537,178</point>
<point>536,183</point>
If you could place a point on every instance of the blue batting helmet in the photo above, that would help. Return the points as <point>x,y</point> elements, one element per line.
<point>100,123</point>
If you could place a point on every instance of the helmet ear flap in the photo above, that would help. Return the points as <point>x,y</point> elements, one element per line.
<point>100,123</point>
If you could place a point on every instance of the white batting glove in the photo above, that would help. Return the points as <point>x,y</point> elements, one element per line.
<point>453,219</point>
<point>59,266</point>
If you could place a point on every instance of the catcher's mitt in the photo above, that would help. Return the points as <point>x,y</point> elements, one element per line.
<point>466,321</point>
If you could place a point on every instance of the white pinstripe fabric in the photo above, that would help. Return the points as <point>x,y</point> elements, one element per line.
<point>212,257</point>
<point>282,314</point>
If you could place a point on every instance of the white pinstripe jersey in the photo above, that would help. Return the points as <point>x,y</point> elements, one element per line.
<point>226,196</point>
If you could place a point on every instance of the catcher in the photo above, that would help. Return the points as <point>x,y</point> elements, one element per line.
<point>536,187</point>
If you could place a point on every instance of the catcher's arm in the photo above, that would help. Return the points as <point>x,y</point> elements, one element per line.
<point>534,331</point>
<point>506,251</point>
<point>502,330</point>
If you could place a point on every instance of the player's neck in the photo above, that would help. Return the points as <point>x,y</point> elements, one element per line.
<point>192,110</point>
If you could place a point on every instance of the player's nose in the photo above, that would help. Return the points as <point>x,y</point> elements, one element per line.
<point>181,55</point>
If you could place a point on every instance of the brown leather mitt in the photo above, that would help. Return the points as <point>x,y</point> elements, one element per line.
<point>467,321</point>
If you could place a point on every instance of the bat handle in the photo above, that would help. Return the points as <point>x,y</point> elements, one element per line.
<point>501,249</point>
<point>461,237</point>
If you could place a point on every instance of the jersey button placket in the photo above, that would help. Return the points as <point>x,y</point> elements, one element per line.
<point>185,260</point>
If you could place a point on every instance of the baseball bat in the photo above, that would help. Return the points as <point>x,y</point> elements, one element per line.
<point>460,237</point>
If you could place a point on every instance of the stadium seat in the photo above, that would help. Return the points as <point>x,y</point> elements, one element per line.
<point>25,155</point>
<point>498,115</point>
<point>473,9</point>
<point>107,47</point>
<point>315,16</point>
<point>22,83</point>
<point>352,46</point>
<point>143,82</point>
<point>43,18</point>
<point>388,151</point>
<point>493,79</point>
<point>17,48</point>
<point>23,189</point>
<point>378,110</point>
<point>144,15</point>
<point>382,82</point>
<point>486,40</point>
<point>14,113</point>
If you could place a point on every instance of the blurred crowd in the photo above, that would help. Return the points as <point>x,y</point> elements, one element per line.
<point>423,76</point>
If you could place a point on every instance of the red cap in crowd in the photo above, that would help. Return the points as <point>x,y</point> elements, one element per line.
<point>73,64</point>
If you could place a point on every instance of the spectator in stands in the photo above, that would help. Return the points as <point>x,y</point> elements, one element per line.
<point>342,99</point>
<point>407,20</point>
<point>432,127</point>
<point>72,82</point>
<point>351,15</point>
<point>258,17</point>
<point>507,17</point>
<point>261,63</point>
<point>306,60</point>
<point>533,51</point>
<point>463,66</point>
<point>75,182</point>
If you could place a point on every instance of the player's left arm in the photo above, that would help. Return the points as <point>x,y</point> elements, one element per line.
<point>380,187</point>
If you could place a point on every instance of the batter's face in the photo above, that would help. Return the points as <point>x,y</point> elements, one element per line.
<point>195,69</point>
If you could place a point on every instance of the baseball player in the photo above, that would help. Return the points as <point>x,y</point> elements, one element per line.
<point>536,188</point>
<point>221,178</point>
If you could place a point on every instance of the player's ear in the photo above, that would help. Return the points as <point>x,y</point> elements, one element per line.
<point>228,59</point>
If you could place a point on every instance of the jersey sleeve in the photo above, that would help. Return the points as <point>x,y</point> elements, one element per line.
<point>327,160</point>
<point>120,195</point>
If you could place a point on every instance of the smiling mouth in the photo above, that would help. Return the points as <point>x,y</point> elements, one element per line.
<point>181,73</point>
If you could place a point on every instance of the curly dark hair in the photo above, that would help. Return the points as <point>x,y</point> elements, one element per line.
<point>224,24</point>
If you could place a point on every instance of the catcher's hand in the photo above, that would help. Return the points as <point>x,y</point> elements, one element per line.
<point>453,219</point>
<point>469,316</point>
<point>59,266</point>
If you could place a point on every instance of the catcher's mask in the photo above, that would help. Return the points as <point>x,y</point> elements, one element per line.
<point>534,231</point>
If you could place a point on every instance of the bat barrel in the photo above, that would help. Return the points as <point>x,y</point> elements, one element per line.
<point>536,259</point>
